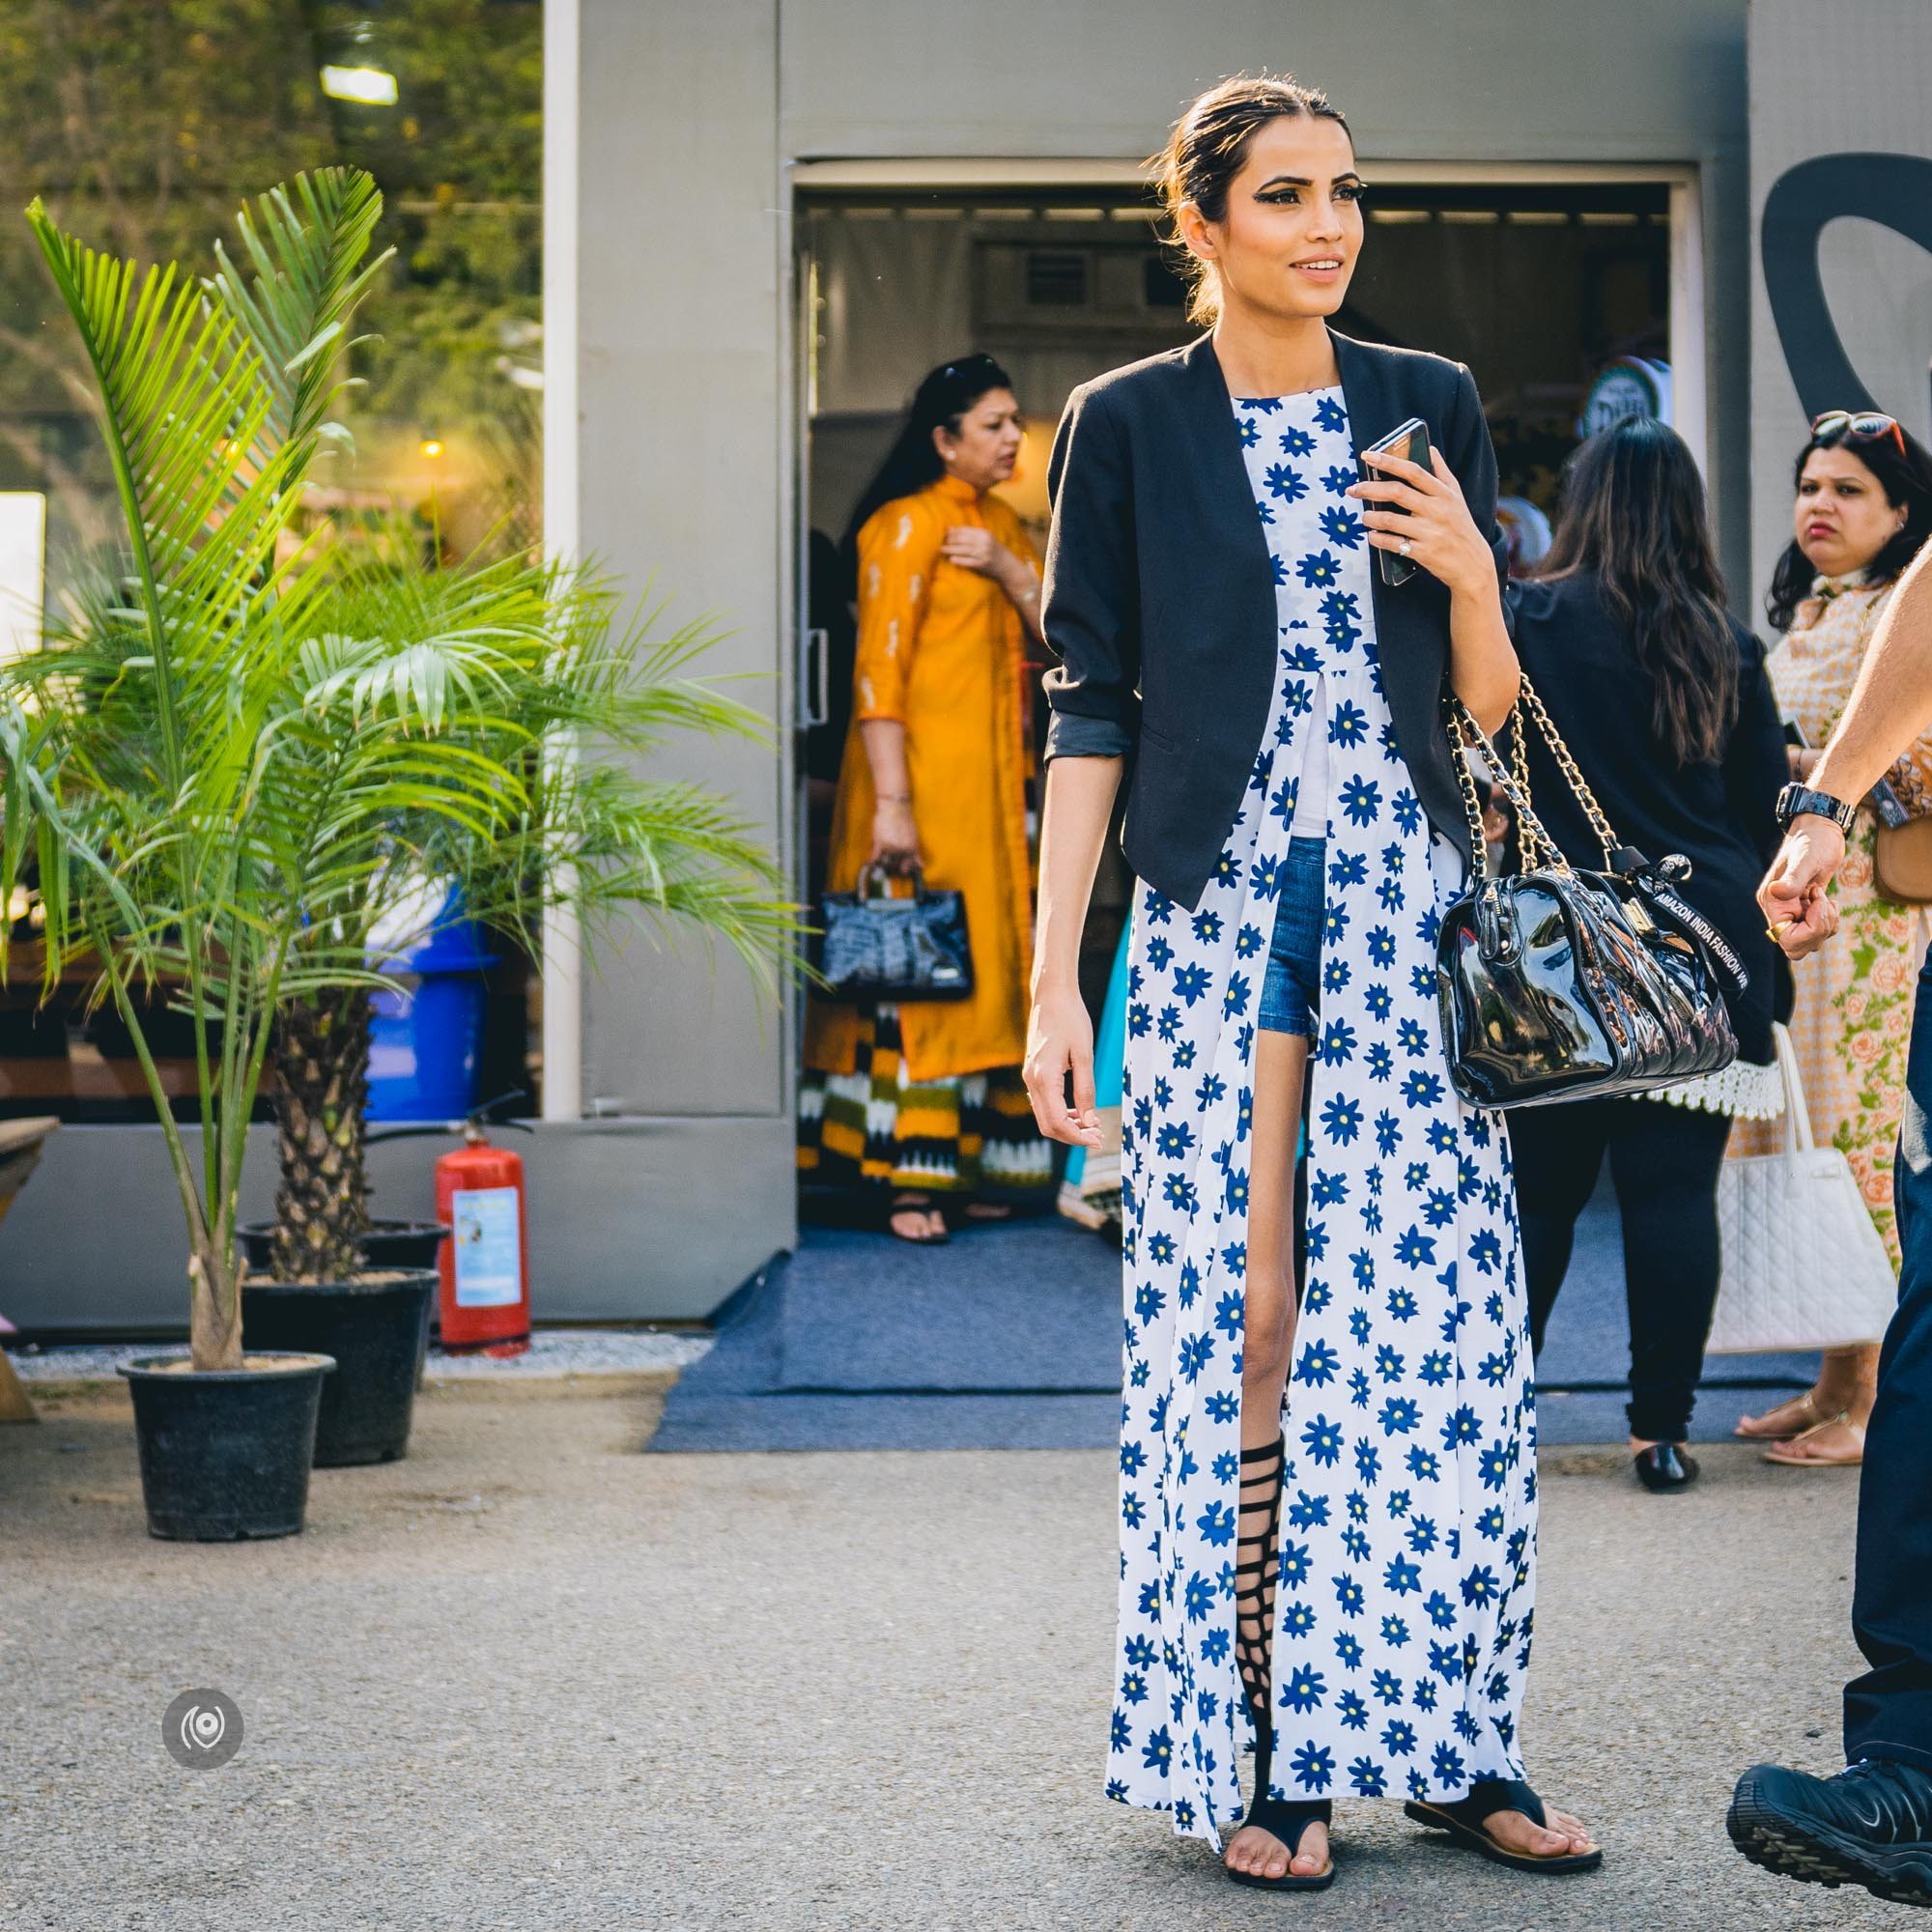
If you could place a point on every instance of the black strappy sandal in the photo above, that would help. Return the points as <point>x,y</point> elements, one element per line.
<point>1463,1823</point>
<point>1254,1630</point>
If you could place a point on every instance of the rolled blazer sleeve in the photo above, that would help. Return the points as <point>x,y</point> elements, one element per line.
<point>1473,456</point>
<point>1089,605</point>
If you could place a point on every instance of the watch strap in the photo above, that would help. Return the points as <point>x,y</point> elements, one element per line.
<point>1797,801</point>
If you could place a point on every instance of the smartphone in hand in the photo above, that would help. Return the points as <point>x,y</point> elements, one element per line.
<point>1411,439</point>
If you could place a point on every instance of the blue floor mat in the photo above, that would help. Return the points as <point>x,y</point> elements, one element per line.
<point>1033,1306</point>
<point>1010,1338</point>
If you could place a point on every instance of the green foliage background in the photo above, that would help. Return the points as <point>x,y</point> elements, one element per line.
<point>143,123</point>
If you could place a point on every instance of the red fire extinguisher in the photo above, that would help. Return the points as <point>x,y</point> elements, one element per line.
<point>485,1261</point>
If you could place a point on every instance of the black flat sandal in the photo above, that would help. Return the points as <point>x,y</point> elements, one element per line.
<point>1254,1627</point>
<point>1289,1821</point>
<point>917,1204</point>
<point>1463,1823</point>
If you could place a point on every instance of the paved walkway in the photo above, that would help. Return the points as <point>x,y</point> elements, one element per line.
<point>530,1679</point>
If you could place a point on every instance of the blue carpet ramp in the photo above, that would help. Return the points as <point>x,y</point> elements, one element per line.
<point>1032,1307</point>
<point>732,1400</point>
<point>1010,1338</point>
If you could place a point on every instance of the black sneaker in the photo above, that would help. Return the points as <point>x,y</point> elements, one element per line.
<point>1871,1825</point>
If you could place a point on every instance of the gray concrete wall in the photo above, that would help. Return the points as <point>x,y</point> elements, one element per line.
<point>681,395</point>
<point>623,1222</point>
<point>684,398</point>
<point>1853,77</point>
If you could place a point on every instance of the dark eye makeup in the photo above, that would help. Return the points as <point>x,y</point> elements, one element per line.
<point>1285,194</point>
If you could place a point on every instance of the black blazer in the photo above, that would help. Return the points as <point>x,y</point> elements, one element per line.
<point>1160,604</point>
<point>1720,815</point>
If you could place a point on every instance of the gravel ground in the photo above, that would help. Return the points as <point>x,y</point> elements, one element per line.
<point>530,1679</point>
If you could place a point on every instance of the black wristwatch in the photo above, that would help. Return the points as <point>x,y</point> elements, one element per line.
<point>1797,800</point>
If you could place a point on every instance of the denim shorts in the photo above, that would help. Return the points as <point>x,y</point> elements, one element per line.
<point>1292,989</point>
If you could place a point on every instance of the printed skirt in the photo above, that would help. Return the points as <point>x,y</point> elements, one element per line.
<point>875,1129</point>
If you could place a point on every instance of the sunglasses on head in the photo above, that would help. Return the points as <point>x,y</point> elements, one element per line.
<point>1867,425</point>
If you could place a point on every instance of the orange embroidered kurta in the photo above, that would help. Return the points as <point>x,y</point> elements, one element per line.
<point>941,649</point>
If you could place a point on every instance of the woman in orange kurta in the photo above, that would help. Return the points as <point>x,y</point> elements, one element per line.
<point>925,1098</point>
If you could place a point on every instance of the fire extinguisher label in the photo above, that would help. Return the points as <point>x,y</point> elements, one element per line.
<point>488,1248</point>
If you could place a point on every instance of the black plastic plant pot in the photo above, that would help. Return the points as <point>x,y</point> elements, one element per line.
<point>388,1244</point>
<point>225,1453</point>
<point>373,1330</point>
<point>403,1244</point>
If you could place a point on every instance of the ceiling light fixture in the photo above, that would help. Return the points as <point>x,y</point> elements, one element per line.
<point>371,86</point>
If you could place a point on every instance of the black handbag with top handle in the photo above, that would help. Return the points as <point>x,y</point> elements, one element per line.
<point>874,945</point>
<point>1558,983</point>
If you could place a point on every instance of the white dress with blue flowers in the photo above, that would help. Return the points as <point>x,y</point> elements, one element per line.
<point>1409,1514</point>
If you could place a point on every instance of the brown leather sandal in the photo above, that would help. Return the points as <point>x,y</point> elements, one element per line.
<point>1811,1416</point>
<point>1780,1453</point>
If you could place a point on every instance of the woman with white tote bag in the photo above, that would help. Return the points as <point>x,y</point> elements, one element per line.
<point>1805,1266</point>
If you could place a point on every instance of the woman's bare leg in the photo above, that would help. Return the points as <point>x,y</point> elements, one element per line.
<point>1281,1065</point>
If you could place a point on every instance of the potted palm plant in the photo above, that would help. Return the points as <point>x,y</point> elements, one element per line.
<point>193,766</point>
<point>551,672</point>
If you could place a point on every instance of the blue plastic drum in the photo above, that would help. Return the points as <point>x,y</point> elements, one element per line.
<point>426,1045</point>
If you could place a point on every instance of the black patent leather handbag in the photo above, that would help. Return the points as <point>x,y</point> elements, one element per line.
<point>874,945</point>
<point>1558,983</point>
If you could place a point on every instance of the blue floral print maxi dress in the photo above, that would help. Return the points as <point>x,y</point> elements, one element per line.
<point>1406,1542</point>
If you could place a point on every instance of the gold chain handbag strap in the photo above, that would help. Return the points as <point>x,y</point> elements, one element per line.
<point>1472,805</point>
<point>1531,836</point>
<point>1535,858</point>
<point>1572,773</point>
<point>1539,851</point>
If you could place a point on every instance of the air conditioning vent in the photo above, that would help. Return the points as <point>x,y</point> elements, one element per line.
<point>1091,297</point>
<point>1160,286</point>
<point>1056,278</point>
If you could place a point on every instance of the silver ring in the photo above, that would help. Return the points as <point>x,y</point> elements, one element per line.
<point>1404,548</point>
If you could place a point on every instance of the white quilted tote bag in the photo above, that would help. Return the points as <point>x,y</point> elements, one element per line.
<point>1803,1266</point>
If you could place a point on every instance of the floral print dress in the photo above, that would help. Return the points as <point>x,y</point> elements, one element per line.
<point>1406,1544</point>
<point>1852,1024</point>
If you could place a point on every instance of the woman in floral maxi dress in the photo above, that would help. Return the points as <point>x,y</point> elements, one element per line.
<point>1864,507</point>
<point>1327,1518</point>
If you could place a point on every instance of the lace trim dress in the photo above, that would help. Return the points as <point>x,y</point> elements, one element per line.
<point>1746,1090</point>
<point>1406,1546</point>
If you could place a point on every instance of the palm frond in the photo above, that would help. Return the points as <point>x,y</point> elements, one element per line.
<point>305,244</point>
<point>183,402</point>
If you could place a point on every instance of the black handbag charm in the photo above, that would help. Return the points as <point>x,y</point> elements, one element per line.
<point>873,945</point>
<point>1558,983</point>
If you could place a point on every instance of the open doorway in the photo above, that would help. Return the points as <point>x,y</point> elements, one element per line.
<point>1558,293</point>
